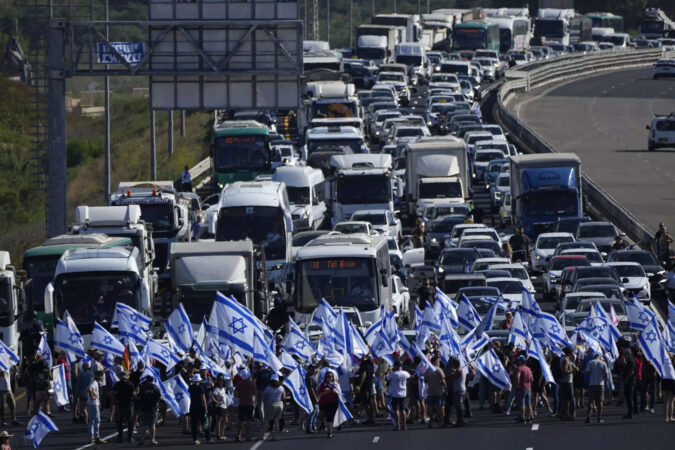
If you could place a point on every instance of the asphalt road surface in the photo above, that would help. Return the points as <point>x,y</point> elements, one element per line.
<point>602,119</point>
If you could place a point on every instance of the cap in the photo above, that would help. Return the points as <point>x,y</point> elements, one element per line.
<point>274,377</point>
<point>245,374</point>
<point>520,358</point>
<point>196,378</point>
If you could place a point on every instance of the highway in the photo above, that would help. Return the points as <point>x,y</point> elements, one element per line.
<point>602,119</point>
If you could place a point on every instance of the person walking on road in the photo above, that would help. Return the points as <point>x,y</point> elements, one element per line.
<point>186,179</point>
<point>148,399</point>
<point>273,403</point>
<point>524,380</point>
<point>597,372</point>
<point>245,391</point>
<point>629,377</point>
<point>123,396</point>
<point>398,382</point>
<point>220,404</point>
<point>458,375</point>
<point>566,391</point>
<point>668,390</point>
<point>94,408</point>
<point>520,245</point>
<point>437,385</point>
<point>328,401</point>
<point>198,410</point>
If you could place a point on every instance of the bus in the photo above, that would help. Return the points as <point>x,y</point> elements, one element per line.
<point>514,32</point>
<point>606,20</point>
<point>475,35</point>
<point>240,151</point>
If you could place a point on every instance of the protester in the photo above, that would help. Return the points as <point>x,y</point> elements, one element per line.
<point>198,410</point>
<point>123,396</point>
<point>6,396</point>
<point>94,408</point>
<point>219,396</point>
<point>273,399</point>
<point>524,380</point>
<point>148,401</point>
<point>598,374</point>
<point>398,383</point>
<point>435,380</point>
<point>244,391</point>
<point>328,401</point>
<point>458,375</point>
<point>4,440</point>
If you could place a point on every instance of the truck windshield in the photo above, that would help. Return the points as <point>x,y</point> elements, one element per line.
<point>198,303</point>
<point>6,304</point>
<point>341,281</point>
<point>552,203</point>
<point>504,40</point>
<point>374,219</point>
<point>469,39</point>
<point>450,189</point>
<point>342,145</point>
<point>247,153</point>
<point>264,225</point>
<point>651,26</point>
<point>160,215</point>
<point>91,296</point>
<point>330,109</point>
<point>360,189</point>
<point>298,195</point>
<point>371,53</point>
<point>41,272</point>
<point>409,60</point>
<point>549,28</point>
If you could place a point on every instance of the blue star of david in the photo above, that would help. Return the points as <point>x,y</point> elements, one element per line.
<point>555,329</point>
<point>1,350</point>
<point>135,328</point>
<point>57,386</point>
<point>300,345</point>
<point>181,328</point>
<point>133,318</point>
<point>380,347</point>
<point>331,320</point>
<point>212,348</point>
<point>107,340</point>
<point>74,338</point>
<point>179,397</point>
<point>165,353</point>
<point>35,427</point>
<point>302,391</point>
<point>238,325</point>
<point>469,315</point>
<point>496,367</point>
<point>644,317</point>
<point>651,336</point>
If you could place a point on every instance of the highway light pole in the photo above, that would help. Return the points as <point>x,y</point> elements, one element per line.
<point>328,21</point>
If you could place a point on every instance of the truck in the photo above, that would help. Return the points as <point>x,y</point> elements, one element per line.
<point>414,56</point>
<point>360,181</point>
<point>377,42</point>
<point>581,29</point>
<point>39,264</point>
<point>233,268</point>
<point>162,207</point>
<point>410,22</point>
<point>554,25</point>
<point>12,302</point>
<point>436,28</point>
<point>544,187</point>
<point>656,24</point>
<point>437,170</point>
<point>327,94</point>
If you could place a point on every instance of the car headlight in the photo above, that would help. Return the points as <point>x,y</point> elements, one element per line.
<point>498,194</point>
<point>305,215</point>
<point>403,90</point>
<point>441,270</point>
<point>429,123</point>
<point>538,257</point>
<point>645,287</point>
<point>434,240</point>
<point>437,68</point>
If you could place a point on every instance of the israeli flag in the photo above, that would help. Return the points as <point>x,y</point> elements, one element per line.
<point>342,414</point>
<point>654,349</point>
<point>669,337</point>
<point>530,308</point>
<point>201,335</point>
<point>235,324</point>
<point>448,307</point>
<point>638,316</point>
<point>162,354</point>
<point>295,383</point>
<point>486,323</point>
<point>130,331</point>
<point>597,311</point>
<point>419,318</point>
<point>45,351</point>
<point>413,350</point>
<point>288,361</point>
<point>371,332</point>
<point>179,329</point>
<point>671,314</point>
<point>38,427</point>
<point>549,329</point>
<point>104,341</point>
<point>359,347</point>
<point>264,355</point>
<point>467,317</point>
<point>60,385</point>
<point>140,320</point>
<point>381,346</point>
<point>67,337</point>
<point>7,357</point>
<point>449,342</point>
<point>518,331</point>
<point>430,320</point>
<point>176,390</point>
<point>324,315</point>
<point>213,367</point>
<point>492,368</point>
<point>212,347</point>
<point>538,353</point>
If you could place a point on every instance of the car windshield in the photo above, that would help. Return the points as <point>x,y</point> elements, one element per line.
<point>241,153</point>
<point>665,125</point>
<point>643,258</point>
<point>301,239</point>
<point>388,115</point>
<point>458,257</point>
<point>504,182</point>
<point>488,156</point>
<point>390,77</point>
<point>596,272</point>
<point>450,190</point>
<point>409,132</point>
<point>444,226</point>
<point>440,211</point>
<point>479,291</point>
<point>552,242</point>
<point>608,290</point>
<point>486,244</point>
<point>561,263</point>
<point>507,286</point>
<point>593,257</point>
<point>480,305</point>
<point>298,195</point>
<point>594,231</point>
<point>629,271</point>
<point>351,228</point>
<point>440,78</point>
<point>374,219</point>
<point>518,272</point>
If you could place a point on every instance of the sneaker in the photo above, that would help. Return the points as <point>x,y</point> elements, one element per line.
<point>601,420</point>
<point>154,443</point>
<point>651,410</point>
<point>197,442</point>
<point>507,412</point>
<point>101,441</point>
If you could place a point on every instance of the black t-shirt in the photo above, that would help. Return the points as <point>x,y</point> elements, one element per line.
<point>367,368</point>
<point>196,403</point>
<point>629,369</point>
<point>124,393</point>
<point>519,242</point>
<point>149,396</point>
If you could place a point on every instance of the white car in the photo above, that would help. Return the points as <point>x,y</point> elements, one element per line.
<point>510,288</point>
<point>482,159</point>
<point>661,132</point>
<point>664,67</point>
<point>634,279</point>
<point>499,190</point>
<point>545,246</point>
<point>479,233</point>
<point>505,210</point>
<point>554,270</point>
<point>382,220</point>
<point>593,256</point>
<point>485,263</point>
<point>458,230</point>
<point>400,299</point>
<point>569,304</point>
<point>583,310</point>
<point>516,270</point>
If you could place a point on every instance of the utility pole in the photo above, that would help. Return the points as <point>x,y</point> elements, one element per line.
<point>106,96</point>
<point>182,123</point>
<point>170,132</point>
<point>351,20</point>
<point>328,21</point>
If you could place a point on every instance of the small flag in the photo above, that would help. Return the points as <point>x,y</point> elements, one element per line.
<point>179,329</point>
<point>45,351</point>
<point>60,385</point>
<point>103,340</point>
<point>296,384</point>
<point>38,427</point>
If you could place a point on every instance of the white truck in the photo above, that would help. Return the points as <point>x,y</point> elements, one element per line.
<point>326,96</point>
<point>306,191</point>
<point>377,42</point>
<point>11,304</point>
<point>200,269</point>
<point>358,182</point>
<point>162,207</point>
<point>554,25</point>
<point>414,56</point>
<point>437,171</point>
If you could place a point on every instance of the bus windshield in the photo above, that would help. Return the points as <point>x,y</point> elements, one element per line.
<point>247,153</point>
<point>7,317</point>
<point>40,271</point>
<point>341,281</point>
<point>549,28</point>
<point>264,225</point>
<point>469,39</point>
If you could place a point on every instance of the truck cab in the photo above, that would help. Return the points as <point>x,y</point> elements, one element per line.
<point>306,191</point>
<point>342,139</point>
<point>11,304</point>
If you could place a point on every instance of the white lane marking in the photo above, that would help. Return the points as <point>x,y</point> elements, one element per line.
<point>535,426</point>
<point>105,439</point>
<point>376,439</point>
<point>529,448</point>
<point>260,442</point>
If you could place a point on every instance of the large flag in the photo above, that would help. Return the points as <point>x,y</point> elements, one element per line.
<point>548,329</point>
<point>45,351</point>
<point>447,306</point>
<point>381,346</point>
<point>162,354</point>
<point>538,353</point>
<point>7,357</point>
<point>492,368</point>
<point>67,337</point>
<point>430,319</point>
<point>140,320</point>
<point>179,329</point>
<point>38,427</point>
<point>486,323</point>
<point>60,385</point>
<point>103,340</point>
<point>671,314</point>
<point>342,414</point>
<point>176,390</point>
<point>638,316</point>
<point>518,331</point>
<point>467,317</point>
<point>235,323</point>
<point>530,308</point>
<point>130,330</point>
<point>597,311</point>
<point>295,383</point>
<point>264,355</point>
<point>655,351</point>
<point>324,316</point>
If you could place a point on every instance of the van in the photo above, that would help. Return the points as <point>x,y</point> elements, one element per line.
<point>306,191</point>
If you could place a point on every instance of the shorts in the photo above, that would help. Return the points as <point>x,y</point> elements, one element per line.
<point>41,396</point>
<point>245,413</point>
<point>524,398</point>
<point>273,411</point>
<point>219,412</point>
<point>435,400</point>
<point>398,403</point>
<point>565,391</point>
<point>149,418</point>
<point>668,385</point>
<point>7,396</point>
<point>596,393</point>
<point>328,410</point>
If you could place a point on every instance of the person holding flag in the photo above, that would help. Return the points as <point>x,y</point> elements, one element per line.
<point>597,372</point>
<point>41,381</point>
<point>328,397</point>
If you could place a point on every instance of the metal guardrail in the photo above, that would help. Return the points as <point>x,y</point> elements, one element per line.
<point>198,173</point>
<point>563,68</point>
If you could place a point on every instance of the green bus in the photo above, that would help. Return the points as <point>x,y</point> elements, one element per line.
<point>606,20</point>
<point>40,266</point>
<point>240,151</point>
<point>475,35</point>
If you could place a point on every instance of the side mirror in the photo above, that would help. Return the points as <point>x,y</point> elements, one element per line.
<point>648,127</point>
<point>49,299</point>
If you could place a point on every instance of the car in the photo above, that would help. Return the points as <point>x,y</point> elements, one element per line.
<point>351,227</point>
<point>458,230</point>
<point>554,271</point>
<point>655,272</point>
<point>544,247</point>
<point>602,234</point>
<point>451,284</point>
<point>400,299</point>
<point>482,159</point>
<point>591,254</point>
<point>578,273</point>
<point>505,210</point>
<point>438,232</point>
<point>499,190</point>
<point>583,282</point>
<point>382,220</point>
<point>485,263</point>
<point>438,210</point>
<point>510,288</point>
<point>455,260</point>
<point>472,292</point>
<point>570,303</point>
<point>516,270</point>
<point>634,279</point>
<point>302,238</point>
<point>493,171</point>
<point>569,224</point>
<point>661,132</point>
<point>572,320</point>
<point>664,68</point>
<point>479,233</point>
<point>573,246</point>
<point>484,243</point>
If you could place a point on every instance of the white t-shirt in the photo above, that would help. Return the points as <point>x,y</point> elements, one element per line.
<point>398,383</point>
<point>220,393</point>
<point>94,388</point>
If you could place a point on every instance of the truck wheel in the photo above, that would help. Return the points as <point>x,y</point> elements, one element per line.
<point>651,147</point>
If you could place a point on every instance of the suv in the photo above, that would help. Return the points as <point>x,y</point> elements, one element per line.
<point>664,67</point>
<point>661,132</point>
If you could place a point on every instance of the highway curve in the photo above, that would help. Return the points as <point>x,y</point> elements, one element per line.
<point>602,119</point>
